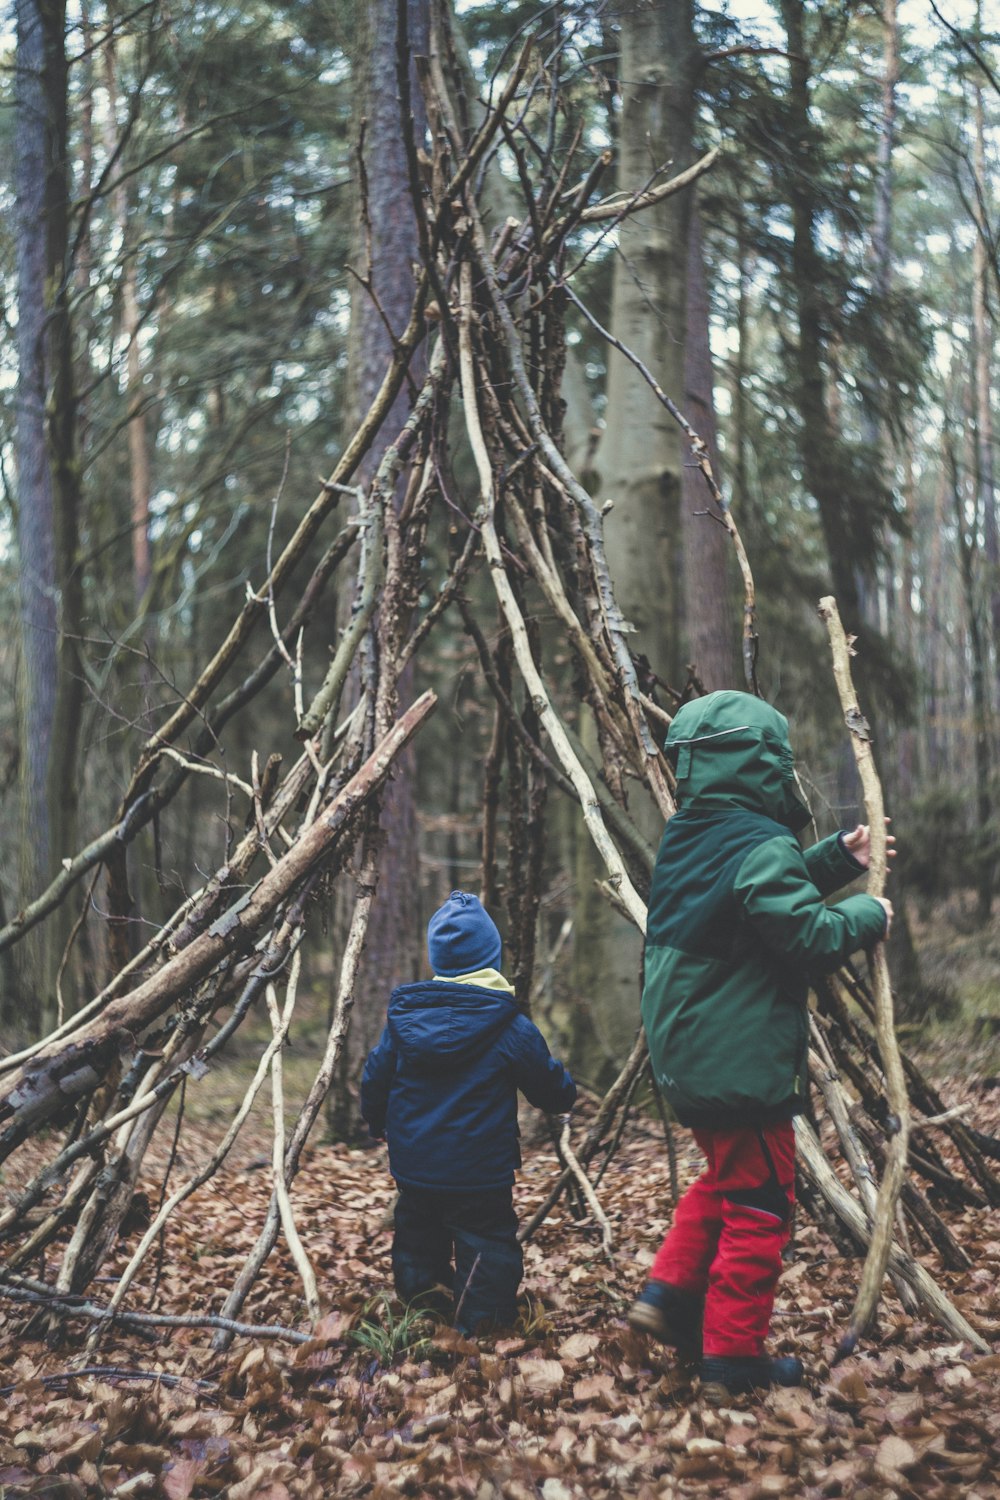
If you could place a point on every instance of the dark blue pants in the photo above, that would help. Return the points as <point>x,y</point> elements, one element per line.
<point>478,1229</point>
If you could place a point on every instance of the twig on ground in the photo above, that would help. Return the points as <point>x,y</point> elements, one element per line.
<point>76,1307</point>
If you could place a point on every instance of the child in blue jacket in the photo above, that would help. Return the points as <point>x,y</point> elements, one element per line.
<point>441,1086</point>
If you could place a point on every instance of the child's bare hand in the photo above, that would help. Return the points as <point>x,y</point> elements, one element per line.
<point>887,908</point>
<point>859,844</point>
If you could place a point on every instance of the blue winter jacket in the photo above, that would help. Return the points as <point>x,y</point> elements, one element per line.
<point>442,1085</point>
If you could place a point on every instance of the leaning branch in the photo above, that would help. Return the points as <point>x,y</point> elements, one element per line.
<point>583,1182</point>
<point>611,207</point>
<point>72,871</point>
<point>898,1122</point>
<point>257,603</point>
<point>58,1076</point>
<point>850,1213</point>
<point>512,613</point>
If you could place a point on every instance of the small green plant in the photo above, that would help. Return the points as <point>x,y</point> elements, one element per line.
<point>533,1321</point>
<point>384,1330</point>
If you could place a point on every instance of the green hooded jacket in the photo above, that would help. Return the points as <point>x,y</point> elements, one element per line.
<point>737,923</point>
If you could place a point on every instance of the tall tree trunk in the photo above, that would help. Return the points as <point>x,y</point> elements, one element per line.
<point>140,481</point>
<point>395,950</point>
<point>819,437</point>
<point>982,337</point>
<point>711,629</point>
<point>967,529</point>
<point>121,926</point>
<point>881,239</point>
<point>907,740</point>
<point>740,472</point>
<point>982,332</point>
<point>50,687</point>
<point>937,670</point>
<point>889,607</point>
<point>639,459</point>
<point>39,654</point>
<point>880,244</point>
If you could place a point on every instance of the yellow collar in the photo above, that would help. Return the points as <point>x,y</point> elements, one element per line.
<point>486,979</point>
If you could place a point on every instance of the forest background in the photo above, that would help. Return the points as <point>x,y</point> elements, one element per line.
<point>229,240</point>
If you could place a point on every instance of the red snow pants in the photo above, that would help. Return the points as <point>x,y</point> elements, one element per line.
<point>729,1230</point>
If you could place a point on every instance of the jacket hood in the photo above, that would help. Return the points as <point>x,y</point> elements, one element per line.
<point>732,749</point>
<point>436,1026</point>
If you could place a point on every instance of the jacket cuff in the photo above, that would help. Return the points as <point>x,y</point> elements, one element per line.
<point>874,925</point>
<point>830,865</point>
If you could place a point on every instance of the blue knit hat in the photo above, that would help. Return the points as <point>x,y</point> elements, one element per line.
<point>462,937</point>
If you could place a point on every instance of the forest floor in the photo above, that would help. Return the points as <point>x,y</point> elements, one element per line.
<point>569,1403</point>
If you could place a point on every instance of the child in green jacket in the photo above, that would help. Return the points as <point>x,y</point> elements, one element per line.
<point>737,929</point>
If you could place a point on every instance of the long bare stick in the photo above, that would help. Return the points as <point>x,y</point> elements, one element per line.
<point>591,515</point>
<point>279,1029</point>
<point>823,1072</point>
<point>898,1122</point>
<point>76,1307</point>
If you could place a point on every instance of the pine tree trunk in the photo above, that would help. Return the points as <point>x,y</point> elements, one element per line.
<point>640,456</point>
<point>711,627</point>
<point>394,950</point>
<point>50,685</point>
<point>982,332</point>
<point>639,463</point>
<point>819,439</point>
<point>740,368</point>
<point>881,241</point>
<point>880,248</point>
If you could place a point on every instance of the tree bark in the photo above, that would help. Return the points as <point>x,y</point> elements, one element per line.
<point>711,629</point>
<point>639,458</point>
<point>140,476</point>
<point>639,461</point>
<point>982,333</point>
<point>880,246</point>
<point>967,532</point>
<point>820,440</point>
<point>881,240</point>
<point>50,684</point>
<point>390,246</point>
